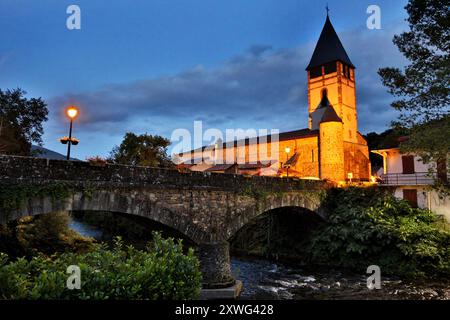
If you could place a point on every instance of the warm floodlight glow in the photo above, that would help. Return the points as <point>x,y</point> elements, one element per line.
<point>72,112</point>
<point>287,150</point>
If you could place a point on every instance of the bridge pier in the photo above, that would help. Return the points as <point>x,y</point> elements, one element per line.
<point>215,265</point>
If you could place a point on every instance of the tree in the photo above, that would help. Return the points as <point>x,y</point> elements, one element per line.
<point>20,121</point>
<point>142,150</point>
<point>10,141</point>
<point>423,87</point>
<point>385,140</point>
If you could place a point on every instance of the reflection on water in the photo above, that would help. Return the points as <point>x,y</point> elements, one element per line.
<point>264,279</point>
<point>85,230</point>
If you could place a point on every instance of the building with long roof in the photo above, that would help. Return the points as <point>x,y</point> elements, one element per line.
<point>330,148</point>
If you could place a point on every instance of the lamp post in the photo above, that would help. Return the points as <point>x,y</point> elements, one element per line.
<point>287,150</point>
<point>350,176</point>
<point>72,113</point>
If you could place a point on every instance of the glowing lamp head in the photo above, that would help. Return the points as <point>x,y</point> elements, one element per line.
<point>72,112</point>
<point>287,150</point>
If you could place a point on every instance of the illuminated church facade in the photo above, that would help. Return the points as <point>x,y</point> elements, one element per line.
<point>330,148</point>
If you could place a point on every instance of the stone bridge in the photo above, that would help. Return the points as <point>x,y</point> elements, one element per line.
<point>207,208</point>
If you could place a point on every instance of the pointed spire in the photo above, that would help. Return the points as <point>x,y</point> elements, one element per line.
<point>329,47</point>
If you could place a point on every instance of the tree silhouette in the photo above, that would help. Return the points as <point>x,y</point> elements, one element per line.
<point>422,89</point>
<point>20,121</point>
<point>142,150</point>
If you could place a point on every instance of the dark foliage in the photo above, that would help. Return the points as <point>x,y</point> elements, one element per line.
<point>368,226</point>
<point>142,150</point>
<point>20,121</point>
<point>422,88</point>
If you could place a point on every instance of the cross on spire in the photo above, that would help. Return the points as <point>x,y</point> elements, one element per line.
<point>328,9</point>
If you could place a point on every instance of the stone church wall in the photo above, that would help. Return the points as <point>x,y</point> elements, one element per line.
<point>357,161</point>
<point>331,151</point>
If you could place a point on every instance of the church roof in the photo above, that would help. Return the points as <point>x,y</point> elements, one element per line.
<point>330,115</point>
<point>283,136</point>
<point>258,165</point>
<point>292,161</point>
<point>329,48</point>
<point>220,167</point>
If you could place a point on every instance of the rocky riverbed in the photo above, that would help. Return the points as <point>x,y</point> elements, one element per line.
<point>267,280</point>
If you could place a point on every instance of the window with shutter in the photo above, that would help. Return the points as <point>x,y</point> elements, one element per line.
<point>410,195</point>
<point>408,164</point>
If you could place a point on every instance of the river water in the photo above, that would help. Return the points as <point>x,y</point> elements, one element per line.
<point>265,279</point>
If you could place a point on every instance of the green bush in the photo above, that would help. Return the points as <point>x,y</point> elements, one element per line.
<point>370,226</point>
<point>160,272</point>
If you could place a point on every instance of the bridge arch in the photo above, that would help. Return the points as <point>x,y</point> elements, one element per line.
<point>136,203</point>
<point>308,200</point>
<point>282,232</point>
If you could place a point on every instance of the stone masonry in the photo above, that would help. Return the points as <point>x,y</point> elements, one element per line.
<point>207,208</point>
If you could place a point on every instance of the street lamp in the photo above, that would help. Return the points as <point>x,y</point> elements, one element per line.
<point>350,176</point>
<point>72,113</point>
<point>287,150</point>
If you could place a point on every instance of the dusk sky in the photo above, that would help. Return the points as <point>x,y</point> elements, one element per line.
<point>157,65</point>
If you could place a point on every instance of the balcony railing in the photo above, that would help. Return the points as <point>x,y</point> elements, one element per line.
<point>414,179</point>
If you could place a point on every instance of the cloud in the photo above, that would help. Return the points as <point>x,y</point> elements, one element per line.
<point>258,50</point>
<point>252,84</point>
<point>261,88</point>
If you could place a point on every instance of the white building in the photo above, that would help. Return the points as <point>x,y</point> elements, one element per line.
<point>412,180</point>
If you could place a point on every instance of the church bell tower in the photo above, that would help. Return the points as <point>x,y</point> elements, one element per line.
<point>331,81</point>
